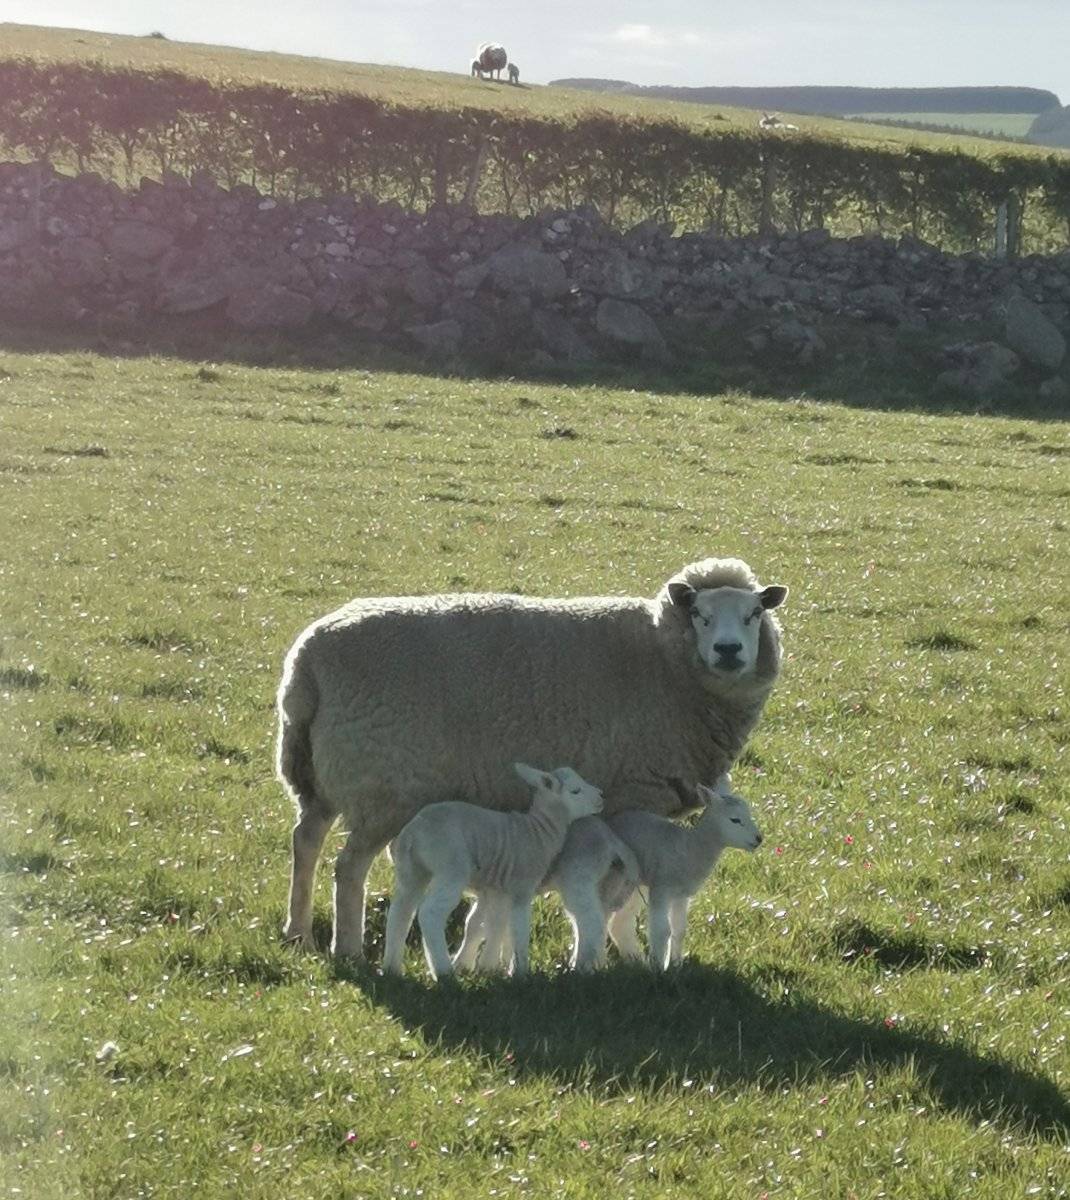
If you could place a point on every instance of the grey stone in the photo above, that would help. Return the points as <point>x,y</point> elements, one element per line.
<point>625,277</point>
<point>136,239</point>
<point>193,291</point>
<point>441,337</point>
<point>1033,336</point>
<point>268,306</point>
<point>560,338</point>
<point>14,234</point>
<point>631,326</point>
<point>526,270</point>
<point>471,277</point>
<point>983,367</point>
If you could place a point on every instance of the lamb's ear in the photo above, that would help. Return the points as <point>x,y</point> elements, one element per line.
<point>773,596</point>
<point>706,795</point>
<point>682,594</point>
<point>535,778</point>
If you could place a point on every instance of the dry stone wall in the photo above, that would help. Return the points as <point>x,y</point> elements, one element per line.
<point>562,286</point>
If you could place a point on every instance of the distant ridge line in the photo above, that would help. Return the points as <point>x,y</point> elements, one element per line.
<point>839,100</point>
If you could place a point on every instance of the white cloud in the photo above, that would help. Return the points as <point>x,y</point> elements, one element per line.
<point>649,36</point>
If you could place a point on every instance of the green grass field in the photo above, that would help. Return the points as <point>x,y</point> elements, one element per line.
<point>876,1003</point>
<point>438,89</point>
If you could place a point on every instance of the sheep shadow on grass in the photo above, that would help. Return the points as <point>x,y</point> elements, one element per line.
<point>626,1028</point>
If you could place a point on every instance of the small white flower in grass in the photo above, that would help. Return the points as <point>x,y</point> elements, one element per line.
<point>107,1052</point>
<point>238,1052</point>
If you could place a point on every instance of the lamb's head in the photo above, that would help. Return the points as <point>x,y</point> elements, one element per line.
<point>562,787</point>
<point>730,616</point>
<point>731,817</point>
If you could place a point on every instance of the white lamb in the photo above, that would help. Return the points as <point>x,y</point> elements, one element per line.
<point>594,873</point>
<point>452,846</point>
<point>674,862</point>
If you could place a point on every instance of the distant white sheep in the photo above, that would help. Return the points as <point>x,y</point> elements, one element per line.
<point>772,121</point>
<point>640,696</point>
<point>451,847</point>
<point>674,862</point>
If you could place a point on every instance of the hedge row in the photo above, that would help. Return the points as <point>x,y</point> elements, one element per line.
<point>130,122</point>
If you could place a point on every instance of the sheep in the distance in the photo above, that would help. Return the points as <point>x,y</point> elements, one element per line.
<point>674,862</point>
<point>492,58</point>
<point>640,696</point>
<point>477,68</point>
<point>594,873</point>
<point>514,73</point>
<point>452,847</point>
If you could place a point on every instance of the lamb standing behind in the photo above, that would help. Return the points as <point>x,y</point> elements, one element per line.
<point>674,862</point>
<point>639,695</point>
<point>450,847</point>
<point>593,869</point>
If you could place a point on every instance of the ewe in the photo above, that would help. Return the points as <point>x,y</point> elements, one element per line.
<point>674,862</point>
<point>450,847</point>
<point>639,695</point>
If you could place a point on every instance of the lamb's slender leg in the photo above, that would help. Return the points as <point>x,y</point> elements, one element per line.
<point>584,907</point>
<point>468,956</point>
<point>622,927</point>
<point>350,878</point>
<point>308,837</point>
<point>403,904</point>
<point>520,930</point>
<point>677,929</point>
<point>657,928</point>
<point>498,947</point>
<point>442,898</point>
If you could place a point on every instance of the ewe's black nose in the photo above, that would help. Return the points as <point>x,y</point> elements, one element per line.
<point>728,649</point>
<point>758,839</point>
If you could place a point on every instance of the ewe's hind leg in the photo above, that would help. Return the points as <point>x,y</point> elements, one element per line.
<point>308,836</point>
<point>677,929</point>
<point>657,928</point>
<point>441,900</point>
<point>622,927</point>
<point>350,877</point>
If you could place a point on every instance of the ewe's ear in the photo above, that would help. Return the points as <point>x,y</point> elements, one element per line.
<point>682,594</point>
<point>774,596</point>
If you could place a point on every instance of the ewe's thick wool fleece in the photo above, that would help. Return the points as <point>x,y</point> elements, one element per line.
<point>390,704</point>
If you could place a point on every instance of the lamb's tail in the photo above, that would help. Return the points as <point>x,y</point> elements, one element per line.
<point>298,700</point>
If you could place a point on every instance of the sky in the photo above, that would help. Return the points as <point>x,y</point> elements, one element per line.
<point>876,43</point>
